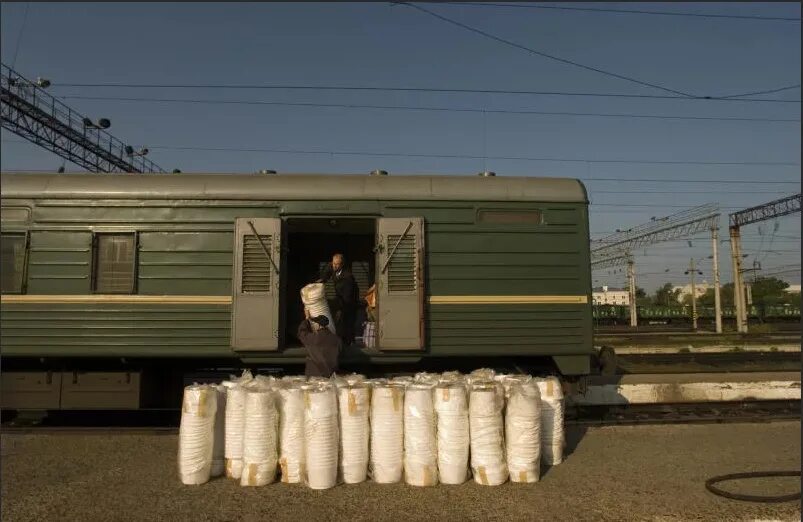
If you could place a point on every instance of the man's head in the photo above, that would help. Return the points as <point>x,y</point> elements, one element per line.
<point>319,322</point>
<point>337,262</point>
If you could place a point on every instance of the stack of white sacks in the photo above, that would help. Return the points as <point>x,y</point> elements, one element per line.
<point>423,430</point>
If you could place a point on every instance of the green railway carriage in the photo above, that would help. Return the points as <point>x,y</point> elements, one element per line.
<point>107,269</point>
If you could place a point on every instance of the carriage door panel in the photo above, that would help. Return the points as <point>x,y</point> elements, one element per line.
<point>400,283</point>
<point>255,287</point>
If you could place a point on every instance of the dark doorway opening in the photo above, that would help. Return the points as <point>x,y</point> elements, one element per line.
<point>311,243</point>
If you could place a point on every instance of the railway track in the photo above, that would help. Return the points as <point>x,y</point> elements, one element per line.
<point>708,412</point>
<point>708,362</point>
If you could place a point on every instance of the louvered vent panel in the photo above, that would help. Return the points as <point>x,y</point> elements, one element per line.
<point>401,269</point>
<point>256,266</point>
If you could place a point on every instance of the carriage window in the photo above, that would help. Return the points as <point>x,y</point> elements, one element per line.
<point>115,263</point>
<point>12,262</point>
<point>509,217</point>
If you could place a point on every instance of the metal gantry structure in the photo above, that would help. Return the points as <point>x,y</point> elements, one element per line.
<point>748,216</point>
<point>29,111</point>
<point>616,249</point>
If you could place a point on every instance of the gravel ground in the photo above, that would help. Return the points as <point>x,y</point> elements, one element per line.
<point>612,473</point>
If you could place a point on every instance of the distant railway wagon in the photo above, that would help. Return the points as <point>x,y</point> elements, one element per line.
<point>620,314</point>
<point>110,281</point>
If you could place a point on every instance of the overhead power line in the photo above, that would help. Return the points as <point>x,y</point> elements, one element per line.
<point>474,156</point>
<point>425,108</point>
<point>408,89</point>
<point>757,93</point>
<point>530,50</point>
<point>19,36</point>
<point>629,11</point>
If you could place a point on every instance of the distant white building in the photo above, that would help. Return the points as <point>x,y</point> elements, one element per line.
<point>699,288</point>
<point>604,295</point>
<point>793,289</point>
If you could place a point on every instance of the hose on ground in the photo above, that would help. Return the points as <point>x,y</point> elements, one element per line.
<point>709,485</point>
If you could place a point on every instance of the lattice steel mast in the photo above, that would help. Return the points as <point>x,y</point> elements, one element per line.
<point>616,249</point>
<point>30,112</point>
<point>773,209</point>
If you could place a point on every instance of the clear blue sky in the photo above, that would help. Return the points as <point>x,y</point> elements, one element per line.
<point>382,45</point>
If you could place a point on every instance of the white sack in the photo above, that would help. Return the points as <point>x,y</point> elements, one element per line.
<point>451,406</point>
<point>353,402</point>
<point>321,435</point>
<point>314,298</point>
<point>387,432</point>
<point>234,429</point>
<point>420,436</point>
<point>487,433</point>
<point>196,433</point>
<point>552,413</point>
<point>259,441</point>
<point>291,432</point>
<point>523,430</point>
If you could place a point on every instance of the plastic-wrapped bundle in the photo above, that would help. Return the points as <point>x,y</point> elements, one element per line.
<point>427,378</point>
<point>235,423</point>
<point>353,402</point>
<point>451,377</point>
<point>219,443</point>
<point>479,375</point>
<point>354,378</point>
<point>420,436</point>
<point>487,433</point>
<point>523,430</point>
<point>265,382</point>
<point>403,379</point>
<point>292,379</point>
<point>552,436</point>
<point>291,431</point>
<point>509,380</point>
<point>259,441</point>
<point>321,437</point>
<point>387,432</point>
<point>196,433</point>
<point>234,430</point>
<point>314,298</point>
<point>451,406</point>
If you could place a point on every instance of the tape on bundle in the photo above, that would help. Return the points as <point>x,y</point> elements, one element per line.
<point>483,476</point>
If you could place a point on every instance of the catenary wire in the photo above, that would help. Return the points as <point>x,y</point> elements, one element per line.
<point>54,85</point>
<point>530,50</point>
<point>425,108</point>
<point>626,11</point>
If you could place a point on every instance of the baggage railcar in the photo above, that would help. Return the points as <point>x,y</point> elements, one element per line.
<point>158,274</point>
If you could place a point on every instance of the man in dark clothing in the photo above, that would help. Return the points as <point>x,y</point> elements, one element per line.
<point>347,297</point>
<point>323,347</point>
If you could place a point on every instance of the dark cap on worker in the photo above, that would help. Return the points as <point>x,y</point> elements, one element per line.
<point>321,320</point>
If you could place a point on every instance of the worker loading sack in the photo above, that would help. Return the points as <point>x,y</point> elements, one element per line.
<point>314,298</point>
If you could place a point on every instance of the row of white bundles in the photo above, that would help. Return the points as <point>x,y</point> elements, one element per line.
<point>421,429</point>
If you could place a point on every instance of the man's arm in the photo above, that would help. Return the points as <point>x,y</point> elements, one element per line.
<point>304,331</point>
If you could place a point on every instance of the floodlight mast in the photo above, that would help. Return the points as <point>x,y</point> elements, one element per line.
<point>28,111</point>
<point>773,209</point>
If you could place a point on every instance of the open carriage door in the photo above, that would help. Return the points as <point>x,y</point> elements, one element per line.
<point>400,283</point>
<point>255,287</point>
